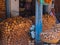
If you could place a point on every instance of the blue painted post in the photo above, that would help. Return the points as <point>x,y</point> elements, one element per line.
<point>8,8</point>
<point>39,11</point>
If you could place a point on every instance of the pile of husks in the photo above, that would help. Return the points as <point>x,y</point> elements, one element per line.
<point>14,31</point>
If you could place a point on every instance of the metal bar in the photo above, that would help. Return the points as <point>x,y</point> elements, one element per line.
<point>39,11</point>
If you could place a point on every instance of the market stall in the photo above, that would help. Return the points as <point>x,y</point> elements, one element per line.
<point>30,22</point>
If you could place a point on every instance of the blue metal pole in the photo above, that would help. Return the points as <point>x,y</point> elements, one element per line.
<point>39,11</point>
<point>36,21</point>
<point>8,8</point>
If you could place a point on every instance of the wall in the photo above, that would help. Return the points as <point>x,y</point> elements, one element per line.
<point>14,8</point>
<point>57,9</point>
<point>57,6</point>
<point>2,8</point>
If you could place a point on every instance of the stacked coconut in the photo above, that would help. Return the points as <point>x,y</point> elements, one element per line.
<point>48,21</point>
<point>52,35</point>
<point>14,31</point>
<point>51,30</point>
